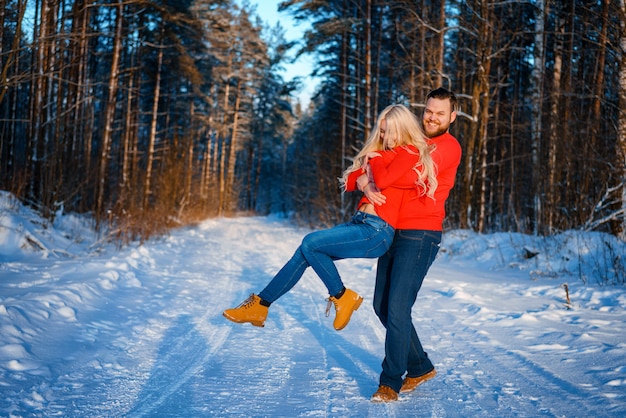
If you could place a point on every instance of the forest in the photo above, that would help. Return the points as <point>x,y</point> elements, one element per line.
<point>148,115</point>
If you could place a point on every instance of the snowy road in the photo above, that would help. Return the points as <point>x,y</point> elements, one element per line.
<point>140,333</point>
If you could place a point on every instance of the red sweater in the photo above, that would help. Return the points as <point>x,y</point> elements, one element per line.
<point>422,212</point>
<point>394,176</point>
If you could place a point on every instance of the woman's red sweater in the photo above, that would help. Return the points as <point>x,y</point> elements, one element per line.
<point>395,176</point>
<point>412,208</point>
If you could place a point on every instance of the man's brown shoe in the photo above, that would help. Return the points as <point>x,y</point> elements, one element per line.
<point>385,394</point>
<point>344,306</point>
<point>410,383</point>
<point>250,310</point>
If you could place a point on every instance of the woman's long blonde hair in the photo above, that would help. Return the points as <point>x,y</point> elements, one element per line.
<point>403,125</point>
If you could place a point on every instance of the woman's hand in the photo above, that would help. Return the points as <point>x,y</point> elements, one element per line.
<point>362,181</point>
<point>371,154</point>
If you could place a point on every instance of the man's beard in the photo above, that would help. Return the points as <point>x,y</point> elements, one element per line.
<point>438,131</point>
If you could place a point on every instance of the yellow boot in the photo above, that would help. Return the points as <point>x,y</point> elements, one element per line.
<point>344,306</point>
<point>410,383</point>
<point>385,394</point>
<point>250,310</point>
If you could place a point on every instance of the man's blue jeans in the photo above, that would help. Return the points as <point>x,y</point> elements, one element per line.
<point>365,236</point>
<point>399,276</point>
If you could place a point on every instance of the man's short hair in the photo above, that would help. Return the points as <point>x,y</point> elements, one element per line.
<point>443,94</point>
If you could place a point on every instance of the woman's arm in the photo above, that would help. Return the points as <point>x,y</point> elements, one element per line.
<point>403,163</point>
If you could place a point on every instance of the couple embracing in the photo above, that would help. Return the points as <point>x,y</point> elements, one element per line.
<point>405,171</point>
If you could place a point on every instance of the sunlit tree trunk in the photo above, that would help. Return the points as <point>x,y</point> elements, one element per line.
<point>234,148</point>
<point>214,184</point>
<point>189,152</point>
<point>222,139</point>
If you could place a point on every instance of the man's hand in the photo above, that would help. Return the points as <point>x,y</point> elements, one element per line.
<point>370,190</point>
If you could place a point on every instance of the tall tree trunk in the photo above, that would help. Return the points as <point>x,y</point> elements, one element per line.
<point>599,79</point>
<point>7,63</point>
<point>343,108</point>
<point>35,147</point>
<point>567,100</point>
<point>76,120</point>
<point>215,171</point>
<point>536,100</point>
<point>368,69</point>
<point>620,146</point>
<point>14,52</point>
<point>422,52</point>
<point>256,161</point>
<point>128,146</point>
<point>222,149</point>
<point>440,44</point>
<point>484,95</point>
<point>153,129</point>
<point>207,163</point>
<point>482,146</point>
<point>376,71</point>
<point>189,152</point>
<point>553,139</point>
<point>109,115</point>
<point>475,174</point>
<point>232,155</point>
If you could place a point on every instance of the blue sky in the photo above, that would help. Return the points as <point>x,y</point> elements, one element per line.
<point>268,12</point>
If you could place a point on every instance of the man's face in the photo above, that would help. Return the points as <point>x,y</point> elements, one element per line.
<point>438,116</point>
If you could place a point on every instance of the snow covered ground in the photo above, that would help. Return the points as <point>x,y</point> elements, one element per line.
<point>89,331</point>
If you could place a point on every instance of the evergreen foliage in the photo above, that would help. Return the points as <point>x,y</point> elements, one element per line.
<point>150,114</point>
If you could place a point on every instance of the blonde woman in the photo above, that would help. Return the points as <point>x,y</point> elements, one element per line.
<point>396,156</point>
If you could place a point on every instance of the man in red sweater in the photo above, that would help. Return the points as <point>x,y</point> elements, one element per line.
<point>401,271</point>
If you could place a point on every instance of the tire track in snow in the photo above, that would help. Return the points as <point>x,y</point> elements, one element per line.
<point>183,355</point>
<point>505,381</point>
<point>182,302</point>
<point>485,365</point>
<point>343,381</point>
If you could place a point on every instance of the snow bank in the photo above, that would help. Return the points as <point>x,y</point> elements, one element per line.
<point>592,257</point>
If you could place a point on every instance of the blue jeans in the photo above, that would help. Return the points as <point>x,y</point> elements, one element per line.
<point>399,276</point>
<point>365,236</point>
